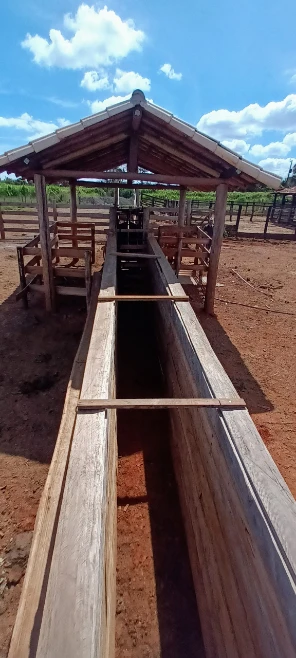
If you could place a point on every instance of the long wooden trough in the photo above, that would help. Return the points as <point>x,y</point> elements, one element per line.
<point>239,516</point>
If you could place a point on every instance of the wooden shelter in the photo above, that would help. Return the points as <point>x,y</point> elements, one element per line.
<point>137,134</point>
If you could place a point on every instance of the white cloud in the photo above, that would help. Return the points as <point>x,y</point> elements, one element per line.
<point>100,37</point>
<point>99,106</point>
<point>237,145</point>
<point>290,139</point>
<point>251,121</point>
<point>272,150</point>
<point>33,128</point>
<point>59,101</point>
<point>278,166</point>
<point>127,81</point>
<point>5,175</point>
<point>92,81</point>
<point>168,70</point>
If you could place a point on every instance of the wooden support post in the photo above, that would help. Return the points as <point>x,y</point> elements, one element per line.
<point>146,219</point>
<point>138,198</point>
<point>73,211</point>
<point>182,203</point>
<point>179,253</point>
<point>219,223</point>
<point>189,212</point>
<point>48,279</point>
<point>2,230</point>
<point>116,197</point>
<point>87,257</point>
<point>20,260</point>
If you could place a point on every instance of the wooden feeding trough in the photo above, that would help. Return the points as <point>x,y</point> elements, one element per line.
<point>71,242</point>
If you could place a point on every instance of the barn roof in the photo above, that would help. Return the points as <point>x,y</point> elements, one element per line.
<point>135,133</point>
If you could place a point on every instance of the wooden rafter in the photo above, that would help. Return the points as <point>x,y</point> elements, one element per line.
<point>93,148</point>
<point>134,139</point>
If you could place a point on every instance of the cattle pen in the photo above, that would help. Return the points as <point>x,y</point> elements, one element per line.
<point>238,513</point>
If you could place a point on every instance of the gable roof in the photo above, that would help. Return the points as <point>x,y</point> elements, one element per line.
<point>165,145</point>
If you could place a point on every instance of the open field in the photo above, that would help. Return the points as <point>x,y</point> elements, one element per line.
<point>257,350</point>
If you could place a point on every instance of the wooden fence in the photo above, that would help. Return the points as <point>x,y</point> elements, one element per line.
<point>24,218</point>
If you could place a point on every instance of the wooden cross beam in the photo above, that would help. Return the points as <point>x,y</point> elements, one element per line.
<point>161,403</point>
<point>144,298</point>
<point>186,181</point>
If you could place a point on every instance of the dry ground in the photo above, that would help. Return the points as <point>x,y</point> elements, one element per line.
<point>256,348</point>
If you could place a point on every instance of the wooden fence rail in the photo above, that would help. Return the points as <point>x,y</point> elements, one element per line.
<point>25,221</point>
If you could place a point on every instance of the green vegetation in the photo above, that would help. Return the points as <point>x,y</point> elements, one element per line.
<point>236,197</point>
<point>25,192</point>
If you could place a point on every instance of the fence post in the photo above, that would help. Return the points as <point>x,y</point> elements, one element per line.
<point>231,211</point>
<point>239,212</point>
<point>267,220</point>
<point>189,211</point>
<point>2,231</point>
<point>54,211</point>
<point>20,260</point>
<point>252,212</point>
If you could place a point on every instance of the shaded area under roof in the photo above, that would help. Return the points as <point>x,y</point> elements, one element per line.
<point>135,133</point>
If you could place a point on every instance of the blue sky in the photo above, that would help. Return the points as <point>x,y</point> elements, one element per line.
<point>229,68</point>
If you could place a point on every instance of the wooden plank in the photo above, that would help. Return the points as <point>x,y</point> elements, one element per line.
<point>24,230</point>
<point>73,212</point>
<point>28,619</point>
<point>24,222</point>
<point>78,614</point>
<point>182,204</point>
<point>158,403</point>
<point>219,223</point>
<point>71,291</point>
<point>21,213</point>
<point>239,515</point>
<point>128,256</point>
<point>75,272</point>
<point>45,242</point>
<point>87,257</point>
<point>144,298</point>
<point>187,181</point>
<point>80,236</point>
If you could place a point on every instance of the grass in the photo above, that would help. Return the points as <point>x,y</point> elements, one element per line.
<point>25,192</point>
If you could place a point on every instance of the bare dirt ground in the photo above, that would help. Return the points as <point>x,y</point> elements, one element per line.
<point>36,355</point>
<point>155,599</point>
<point>256,347</point>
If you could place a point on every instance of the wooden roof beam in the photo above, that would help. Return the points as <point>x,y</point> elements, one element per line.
<point>123,186</point>
<point>179,155</point>
<point>187,181</point>
<point>134,139</point>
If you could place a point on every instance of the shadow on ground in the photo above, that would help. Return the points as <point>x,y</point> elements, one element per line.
<point>36,356</point>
